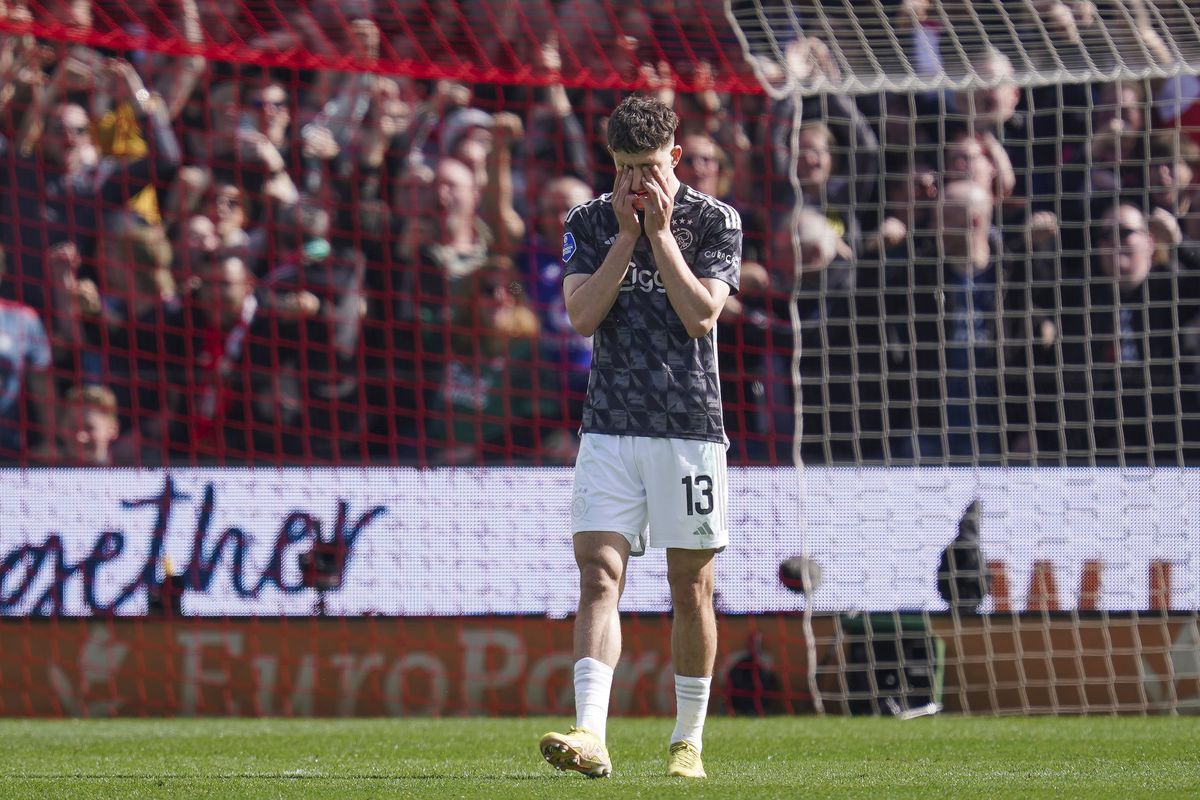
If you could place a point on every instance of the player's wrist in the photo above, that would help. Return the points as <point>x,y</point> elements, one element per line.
<point>663,237</point>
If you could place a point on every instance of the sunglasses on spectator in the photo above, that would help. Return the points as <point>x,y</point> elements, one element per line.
<point>487,288</point>
<point>78,130</point>
<point>1123,232</point>
<point>693,159</point>
<point>260,102</point>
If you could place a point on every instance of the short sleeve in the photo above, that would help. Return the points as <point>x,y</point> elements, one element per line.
<point>720,252</point>
<point>580,256</point>
<point>37,346</point>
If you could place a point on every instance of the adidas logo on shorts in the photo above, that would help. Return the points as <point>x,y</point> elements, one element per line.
<point>703,530</point>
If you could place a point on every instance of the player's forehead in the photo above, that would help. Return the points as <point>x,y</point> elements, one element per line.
<point>645,158</point>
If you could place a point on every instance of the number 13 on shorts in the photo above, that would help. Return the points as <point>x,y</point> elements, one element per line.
<point>700,503</point>
<point>656,492</point>
<point>698,485</point>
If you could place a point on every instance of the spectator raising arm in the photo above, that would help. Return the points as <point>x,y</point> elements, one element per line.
<point>497,203</point>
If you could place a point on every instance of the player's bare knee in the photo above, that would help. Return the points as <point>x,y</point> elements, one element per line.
<point>691,591</point>
<point>690,567</point>
<point>599,579</point>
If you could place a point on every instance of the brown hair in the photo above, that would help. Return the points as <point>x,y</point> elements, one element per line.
<point>822,130</point>
<point>100,397</point>
<point>641,124</point>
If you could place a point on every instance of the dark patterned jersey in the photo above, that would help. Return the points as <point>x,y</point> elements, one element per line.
<point>648,376</point>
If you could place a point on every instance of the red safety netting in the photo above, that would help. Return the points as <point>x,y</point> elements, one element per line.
<point>375,180</point>
<point>328,234</point>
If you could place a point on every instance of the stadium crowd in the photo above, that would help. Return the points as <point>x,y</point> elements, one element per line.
<point>213,262</point>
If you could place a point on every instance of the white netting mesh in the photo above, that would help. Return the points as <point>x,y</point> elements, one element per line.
<point>1009,189</point>
<point>906,45</point>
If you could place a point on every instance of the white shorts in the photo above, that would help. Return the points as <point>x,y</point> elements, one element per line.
<point>677,486</point>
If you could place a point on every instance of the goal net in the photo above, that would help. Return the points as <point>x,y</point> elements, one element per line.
<point>994,305</point>
<point>288,395</point>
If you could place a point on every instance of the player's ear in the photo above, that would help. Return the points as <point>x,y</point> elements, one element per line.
<point>676,154</point>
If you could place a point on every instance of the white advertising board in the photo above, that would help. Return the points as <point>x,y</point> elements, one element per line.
<point>486,541</point>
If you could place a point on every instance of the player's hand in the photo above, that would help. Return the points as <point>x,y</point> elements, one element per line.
<point>623,202</point>
<point>658,201</point>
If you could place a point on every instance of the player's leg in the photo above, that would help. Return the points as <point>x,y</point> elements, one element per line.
<point>602,558</point>
<point>693,652</point>
<point>608,520</point>
<point>688,517</point>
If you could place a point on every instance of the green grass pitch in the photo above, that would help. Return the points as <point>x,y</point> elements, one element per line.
<point>792,757</point>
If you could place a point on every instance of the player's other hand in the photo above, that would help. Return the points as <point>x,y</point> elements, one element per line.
<point>623,199</point>
<point>657,201</point>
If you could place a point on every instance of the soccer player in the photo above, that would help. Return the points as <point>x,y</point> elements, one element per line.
<point>647,269</point>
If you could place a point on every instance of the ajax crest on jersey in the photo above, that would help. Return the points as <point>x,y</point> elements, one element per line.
<point>568,246</point>
<point>683,238</point>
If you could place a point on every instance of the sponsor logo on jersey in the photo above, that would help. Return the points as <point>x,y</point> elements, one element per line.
<point>729,258</point>
<point>569,247</point>
<point>648,280</point>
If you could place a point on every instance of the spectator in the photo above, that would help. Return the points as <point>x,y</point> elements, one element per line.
<point>556,144</point>
<point>246,145</point>
<point>911,200</point>
<point>991,116</point>
<point>493,399</point>
<point>226,207</point>
<point>825,311</point>
<point>703,165</point>
<point>137,295</point>
<point>458,240</point>
<point>967,157</point>
<point>225,370</point>
<point>314,295</point>
<point>1173,160</point>
<point>60,189</point>
<point>707,167</point>
<point>438,251</point>
<point>484,143</point>
<point>358,173</point>
<point>196,243</point>
<point>562,348</point>
<point>1123,347</point>
<point>88,426</point>
<point>759,327</point>
<point>420,145</point>
<point>24,382</point>
<point>270,113</point>
<point>837,167</point>
<point>1111,162</point>
<point>964,291</point>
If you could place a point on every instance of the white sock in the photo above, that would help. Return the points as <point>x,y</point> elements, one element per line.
<point>691,704</point>
<point>593,683</point>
